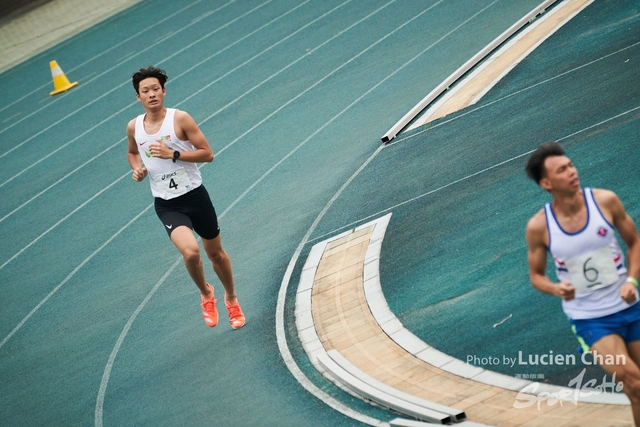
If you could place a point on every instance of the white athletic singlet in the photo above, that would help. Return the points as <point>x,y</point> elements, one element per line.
<point>168,180</point>
<point>591,260</point>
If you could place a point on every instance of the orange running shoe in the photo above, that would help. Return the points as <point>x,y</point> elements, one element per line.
<point>209,312</point>
<point>236,316</point>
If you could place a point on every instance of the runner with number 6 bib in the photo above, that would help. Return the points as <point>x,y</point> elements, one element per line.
<point>599,293</point>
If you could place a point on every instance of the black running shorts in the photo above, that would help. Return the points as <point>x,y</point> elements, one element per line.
<point>193,209</point>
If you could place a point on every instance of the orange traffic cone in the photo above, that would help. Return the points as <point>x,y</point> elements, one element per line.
<point>60,81</point>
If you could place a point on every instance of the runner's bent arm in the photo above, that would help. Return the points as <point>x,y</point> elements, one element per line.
<point>629,233</point>
<point>133,155</point>
<point>537,259</point>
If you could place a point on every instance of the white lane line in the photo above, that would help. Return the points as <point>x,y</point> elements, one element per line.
<point>206,36</point>
<point>126,57</point>
<point>343,65</point>
<point>105,52</point>
<point>201,17</point>
<point>63,219</point>
<point>280,328</point>
<point>75,270</point>
<point>60,180</point>
<point>51,153</point>
<point>256,56</point>
<point>326,124</point>
<point>599,123</point>
<point>11,117</point>
<point>326,76</point>
<point>167,36</point>
<point>112,357</point>
<point>86,84</point>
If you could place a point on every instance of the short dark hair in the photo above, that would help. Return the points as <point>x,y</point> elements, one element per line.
<point>146,73</point>
<point>535,166</point>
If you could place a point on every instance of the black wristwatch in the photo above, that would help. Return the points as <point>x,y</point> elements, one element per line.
<point>176,155</point>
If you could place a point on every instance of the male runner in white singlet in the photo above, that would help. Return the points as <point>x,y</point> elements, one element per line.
<point>171,144</point>
<point>599,294</point>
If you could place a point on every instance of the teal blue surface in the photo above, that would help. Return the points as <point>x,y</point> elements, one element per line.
<point>291,115</point>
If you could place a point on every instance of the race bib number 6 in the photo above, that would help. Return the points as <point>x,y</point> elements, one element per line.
<point>593,271</point>
<point>175,183</point>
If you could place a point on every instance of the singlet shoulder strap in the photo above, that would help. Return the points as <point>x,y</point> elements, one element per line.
<point>139,119</point>
<point>594,207</point>
<point>552,225</point>
<point>550,216</point>
<point>139,129</point>
<point>169,119</point>
<point>589,192</point>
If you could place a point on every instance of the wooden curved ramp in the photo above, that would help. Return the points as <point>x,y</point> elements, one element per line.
<point>339,307</point>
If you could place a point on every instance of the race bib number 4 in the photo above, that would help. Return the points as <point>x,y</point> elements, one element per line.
<point>173,183</point>
<point>593,271</point>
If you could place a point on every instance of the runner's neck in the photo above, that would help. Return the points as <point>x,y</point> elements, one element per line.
<point>569,205</point>
<point>153,120</point>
